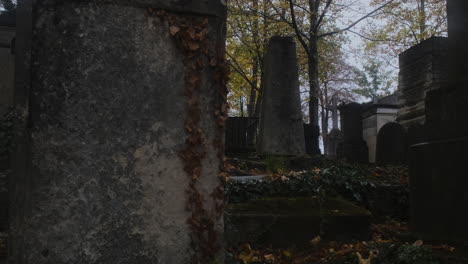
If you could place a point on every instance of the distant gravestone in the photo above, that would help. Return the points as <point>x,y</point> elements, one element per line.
<point>353,148</point>
<point>391,144</point>
<point>281,124</point>
<point>335,138</point>
<point>119,139</point>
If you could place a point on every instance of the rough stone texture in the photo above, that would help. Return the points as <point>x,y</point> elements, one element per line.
<point>438,166</point>
<point>281,125</point>
<point>374,117</point>
<point>7,65</point>
<point>98,175</point>
<point>7,74</point>
<point>391,144</point>
<point>353,148</point>
<point>423,68</point>
<point>438,190</point>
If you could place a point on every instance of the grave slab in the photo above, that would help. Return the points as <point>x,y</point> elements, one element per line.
<point>294,221</point>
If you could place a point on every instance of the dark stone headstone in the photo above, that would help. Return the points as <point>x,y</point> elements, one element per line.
<point>119,133</point>
<point>7,61</point>
<point>438,173</point>
<point>281,125</point>
<point>353,148</point>
<point>335,138</point>
<point>391,144</point>
<point>423,68</point>
<point>416,134</point>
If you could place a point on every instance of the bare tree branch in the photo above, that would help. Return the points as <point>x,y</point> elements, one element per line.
<point>355,22</point>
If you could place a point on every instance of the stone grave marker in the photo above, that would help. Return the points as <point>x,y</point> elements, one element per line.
<point>121,107</point>
<point>281,125</point>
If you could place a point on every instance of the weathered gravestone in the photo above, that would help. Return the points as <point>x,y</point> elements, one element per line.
<point>281,125</point>
<point>438,172</point>
<point>7,61</point>
<point>353,148</point>
<point>121,107</point>
<point>423,68</point>
<point>7,74</point>
<point>391,144</point>
<point>335,137</point>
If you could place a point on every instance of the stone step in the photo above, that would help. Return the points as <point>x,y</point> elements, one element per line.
<point>294,221</point>
<point>247,178</point>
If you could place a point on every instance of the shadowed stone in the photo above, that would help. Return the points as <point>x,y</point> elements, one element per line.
<point>353,148</point>
<point>438,166</point>
<point>283,222</point>
<point>423,68</point>
<point>391,144</point>
<point>281,125</point>
<point>103,108</point>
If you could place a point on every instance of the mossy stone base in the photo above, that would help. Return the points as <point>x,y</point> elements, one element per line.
<point>294,221</point>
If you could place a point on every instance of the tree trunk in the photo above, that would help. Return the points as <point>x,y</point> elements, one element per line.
<point>241,106</point>
<point>313,82</point>
<point>325,130</point>
<point>313,62</point>
<point>253,91</point>
<point>422,19</point>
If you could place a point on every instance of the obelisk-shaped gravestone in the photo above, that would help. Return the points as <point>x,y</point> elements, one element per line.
<point>281,125</point>
<point>120,132</point>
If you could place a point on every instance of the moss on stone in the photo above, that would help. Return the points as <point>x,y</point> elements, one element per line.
<point>304,206</point>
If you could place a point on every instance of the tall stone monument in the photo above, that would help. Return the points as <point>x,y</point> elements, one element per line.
<point>335,137</point>
<point>423,68</point>
<point>438,172</point>
<point>353,148</point>
<point>281,125</point>
<point>121,106</point>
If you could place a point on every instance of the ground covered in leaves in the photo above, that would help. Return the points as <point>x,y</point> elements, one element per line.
<point>383,190</point>
<point>390,244</point>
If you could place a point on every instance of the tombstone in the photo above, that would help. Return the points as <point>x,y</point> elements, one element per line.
<point>438,172</point>
<point>335,136</point>
<point>7,74</point>
<point>120,132</point>
<point>391,144</point>
<point>281,125</point>
<point>416,134</point>
<point>423,68</point>
<point>353,148</point>
<point>375,116</point>
<point>7,61</point>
